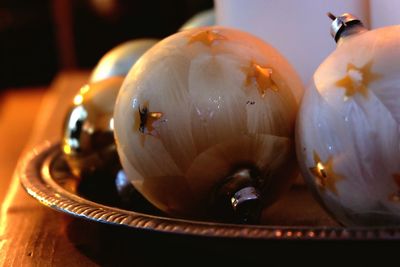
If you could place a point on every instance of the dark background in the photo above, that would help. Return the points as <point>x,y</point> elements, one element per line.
<point>38,38</point>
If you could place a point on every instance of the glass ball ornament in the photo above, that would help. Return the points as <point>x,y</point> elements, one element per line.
<point>204,124</point>
<point>119,60</point>
<point>201,19</point>
<point>348,138</point>
<point>88,134</point>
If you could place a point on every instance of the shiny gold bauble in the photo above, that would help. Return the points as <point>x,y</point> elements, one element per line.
<point>88,141</point>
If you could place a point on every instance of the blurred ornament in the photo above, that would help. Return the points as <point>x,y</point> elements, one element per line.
<point>119,60</point>
<point>348,126</point>
<point>201,19</point>
<point>109,9</point>
<point>124,188</point>
<point>88,141</point>
<point>204,124</point>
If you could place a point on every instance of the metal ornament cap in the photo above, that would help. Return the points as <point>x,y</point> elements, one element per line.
<point>246,204</point>
<point>341,23</point>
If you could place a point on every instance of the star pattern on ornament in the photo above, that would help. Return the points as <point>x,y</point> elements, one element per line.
<point>395,197</point>
<point>206,37</point>
<point>145,120</point>
<point>357,80</point>
<point>325,177</point>
<point>261,76</point>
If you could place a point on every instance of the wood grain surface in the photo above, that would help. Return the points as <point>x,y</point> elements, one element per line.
<point>15,128</point>
<point>31,234</point>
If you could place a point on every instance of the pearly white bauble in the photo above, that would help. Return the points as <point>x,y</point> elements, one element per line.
<point>204,114</point>
<point>201,19</point>
<point>119,60</point>
<point>349,129</point>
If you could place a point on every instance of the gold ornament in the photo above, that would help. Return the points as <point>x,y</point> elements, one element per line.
<point>88,141</point>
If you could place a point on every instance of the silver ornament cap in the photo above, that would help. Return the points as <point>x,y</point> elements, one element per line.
<point>342,25</point>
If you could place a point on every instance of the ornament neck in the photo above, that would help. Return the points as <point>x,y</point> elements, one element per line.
<point>345,26</point>
<point>350,32</point>
<point>239,198</point>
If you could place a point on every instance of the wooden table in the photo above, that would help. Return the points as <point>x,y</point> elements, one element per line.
<point>31,234</point>
<point>15,128</point>
<point>34,235</point>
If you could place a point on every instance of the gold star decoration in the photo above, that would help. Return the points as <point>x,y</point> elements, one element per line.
<point>395,197</point>
<point>206,37</point>
<point>260,75</point>
<point>144,121</point>
<point>324,175</point>
<point>357,80</point>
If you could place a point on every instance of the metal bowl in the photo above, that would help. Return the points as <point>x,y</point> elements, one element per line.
<point>46,177</point>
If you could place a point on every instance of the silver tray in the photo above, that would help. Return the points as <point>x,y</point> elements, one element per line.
<point>46,177</point>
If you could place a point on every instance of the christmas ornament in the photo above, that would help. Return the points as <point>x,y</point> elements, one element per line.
<point>204,124</point>
<point>202,19</point>
<point>88,141</point>
<point>119,60</point>
<point>348,126</point>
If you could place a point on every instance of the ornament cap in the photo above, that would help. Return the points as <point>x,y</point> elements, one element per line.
<point>239,197</point>
<point>341,24</point>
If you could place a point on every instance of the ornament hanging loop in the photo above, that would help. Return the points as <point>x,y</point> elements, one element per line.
<point>331,16</point>
<point>345,25</point>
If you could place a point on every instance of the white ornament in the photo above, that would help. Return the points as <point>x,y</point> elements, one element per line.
<point>203,110</point>
<point>119,60</point>
<point>348,134</point>
<point>201,19</point>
